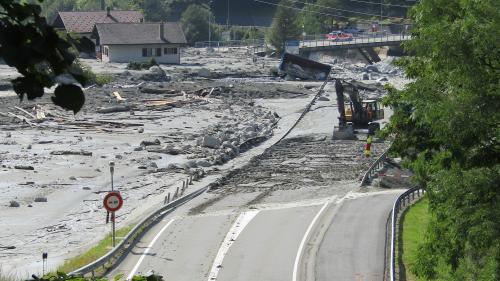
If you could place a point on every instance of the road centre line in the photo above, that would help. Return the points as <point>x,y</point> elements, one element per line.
<point>304,239</point>
<point>241,222</point>
<point>146,251</point>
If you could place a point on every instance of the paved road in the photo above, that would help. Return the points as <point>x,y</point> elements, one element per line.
<point>185,248</point>
<point>353,247</point>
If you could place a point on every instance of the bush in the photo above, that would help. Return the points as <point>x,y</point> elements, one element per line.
<point>93,78</point>
<point>141,65</point>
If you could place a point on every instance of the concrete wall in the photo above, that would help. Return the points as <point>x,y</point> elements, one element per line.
<point>133,53</point>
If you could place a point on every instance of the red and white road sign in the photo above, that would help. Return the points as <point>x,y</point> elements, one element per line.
<point>113,201</point>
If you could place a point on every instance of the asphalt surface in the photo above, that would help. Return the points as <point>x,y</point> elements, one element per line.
<point>353,247</point>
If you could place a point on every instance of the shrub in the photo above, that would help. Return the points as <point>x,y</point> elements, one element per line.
<point>141,65</point>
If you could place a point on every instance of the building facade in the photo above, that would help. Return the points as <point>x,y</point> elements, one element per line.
<point>139,42</point>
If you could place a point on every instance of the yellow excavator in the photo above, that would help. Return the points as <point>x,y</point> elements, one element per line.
<point>357,113</point>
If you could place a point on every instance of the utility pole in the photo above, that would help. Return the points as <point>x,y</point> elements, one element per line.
<point>209,23</point>
<point>381,11</point>
<point>227,17</point>
<point>112,170</point>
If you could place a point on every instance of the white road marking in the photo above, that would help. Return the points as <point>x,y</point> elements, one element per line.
<point>233,233</point>
<point>303,242</point>
<point>134,270</point>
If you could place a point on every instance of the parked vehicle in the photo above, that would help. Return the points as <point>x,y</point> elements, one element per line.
<point>339,36</point>
<point>353,30</point>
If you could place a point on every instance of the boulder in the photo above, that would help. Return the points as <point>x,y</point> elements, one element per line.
<point>203,72</point>
<point>371,68</point>
<point>323,98</point>
<point>366,76</point>
<point>203,163</point>
<point>211,142</point>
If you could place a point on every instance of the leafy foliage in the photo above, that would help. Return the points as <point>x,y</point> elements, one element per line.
<point>284,26</point>
<point>446,125</point>
<point>141,65</point>
<point>195,23</point>
<point>34,48</point>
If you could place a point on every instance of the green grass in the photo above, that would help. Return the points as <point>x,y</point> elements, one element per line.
<point>95,252</point>
<point>415,221</point>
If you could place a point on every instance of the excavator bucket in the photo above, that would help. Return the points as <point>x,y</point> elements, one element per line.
<point>299,67</point>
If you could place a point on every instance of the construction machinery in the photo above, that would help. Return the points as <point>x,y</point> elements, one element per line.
<point>355,114</point>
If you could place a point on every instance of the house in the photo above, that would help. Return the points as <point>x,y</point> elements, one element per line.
<point>82,23</point>
<point>139,42</point>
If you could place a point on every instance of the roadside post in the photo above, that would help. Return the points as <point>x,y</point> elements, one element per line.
<point>44,263</point>
<point>113,202</point>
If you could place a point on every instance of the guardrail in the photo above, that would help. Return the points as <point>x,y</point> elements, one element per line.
<point>381,38</point>
<point>373,167</point>
<point>128,241</point>
<point>401,202</point>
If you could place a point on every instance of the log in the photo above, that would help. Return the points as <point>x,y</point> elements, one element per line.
<point>120,108</point>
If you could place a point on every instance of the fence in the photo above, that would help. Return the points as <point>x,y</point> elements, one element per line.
<point>400,204</point>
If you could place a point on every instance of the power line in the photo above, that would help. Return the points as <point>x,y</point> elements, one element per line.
<point>342,10</point>
<point>383,4</point>
<point>321,6</point>
<point>314,12</point>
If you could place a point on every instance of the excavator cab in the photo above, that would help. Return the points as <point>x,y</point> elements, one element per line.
<point>373,109</point>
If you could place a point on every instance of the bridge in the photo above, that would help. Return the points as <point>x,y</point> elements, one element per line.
<point>314,43</point>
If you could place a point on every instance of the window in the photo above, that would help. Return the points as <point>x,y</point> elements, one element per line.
<point>158,52</point>
<point>170,51</point>
<point>106,51</point>
<point>144,52</point>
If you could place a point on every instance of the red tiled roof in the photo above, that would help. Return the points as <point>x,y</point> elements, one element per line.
<point>83,22</point>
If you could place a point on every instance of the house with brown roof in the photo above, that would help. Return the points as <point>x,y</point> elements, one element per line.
<point>82,23</point>
<point>139,42</point>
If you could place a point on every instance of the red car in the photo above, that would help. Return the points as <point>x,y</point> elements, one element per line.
<point>339,36</point>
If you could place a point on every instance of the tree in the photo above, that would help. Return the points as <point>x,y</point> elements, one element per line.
<point>284,26</point>
<point>447,127</point>
<point>195,23</point>
<point>43,59</point>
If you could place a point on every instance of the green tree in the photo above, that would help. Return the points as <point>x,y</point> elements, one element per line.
<point>447,126</point>
<point>43,59</point>
<point>285,25</point>
<point>194,21</point>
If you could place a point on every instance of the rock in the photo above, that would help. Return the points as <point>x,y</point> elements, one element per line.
<point>203,72</point>
<point>86,188</point>
<point>191,163</point>
<point>140,148</point>
<point>382,79</point>
<point>41,199</point>
<point>140,130</point>
<point>153,165</point>
<point>323,99</point>
<point>156,69</point>
<point>23,167</point>
<point>8,135</point>
<point>14,204</point>
<point>371,68</point>
<point>142,167</point>
<point>73,178</point>
<point>366,76</point>
<point>29,146</point>
<point>211,142</point>
<point>203,163</point>
<point>118,156</point>
<point>150,142</point>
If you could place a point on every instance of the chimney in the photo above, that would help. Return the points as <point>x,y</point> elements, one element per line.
<point>162,31</point>
<point>108,11</point>
<point>103,4</point>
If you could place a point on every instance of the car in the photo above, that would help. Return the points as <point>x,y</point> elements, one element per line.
<point>339,36</point>
<point>353,30</point>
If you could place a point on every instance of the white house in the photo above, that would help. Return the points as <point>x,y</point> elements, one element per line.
<point>139,42</point>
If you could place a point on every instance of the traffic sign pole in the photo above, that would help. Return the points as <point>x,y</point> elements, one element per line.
<point>112,170</point>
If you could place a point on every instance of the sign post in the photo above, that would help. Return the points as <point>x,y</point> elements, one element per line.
<point>113,202</point>
<point>112,171</point>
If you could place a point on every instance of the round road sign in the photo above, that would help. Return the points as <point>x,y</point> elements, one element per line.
<point>113,201</point>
